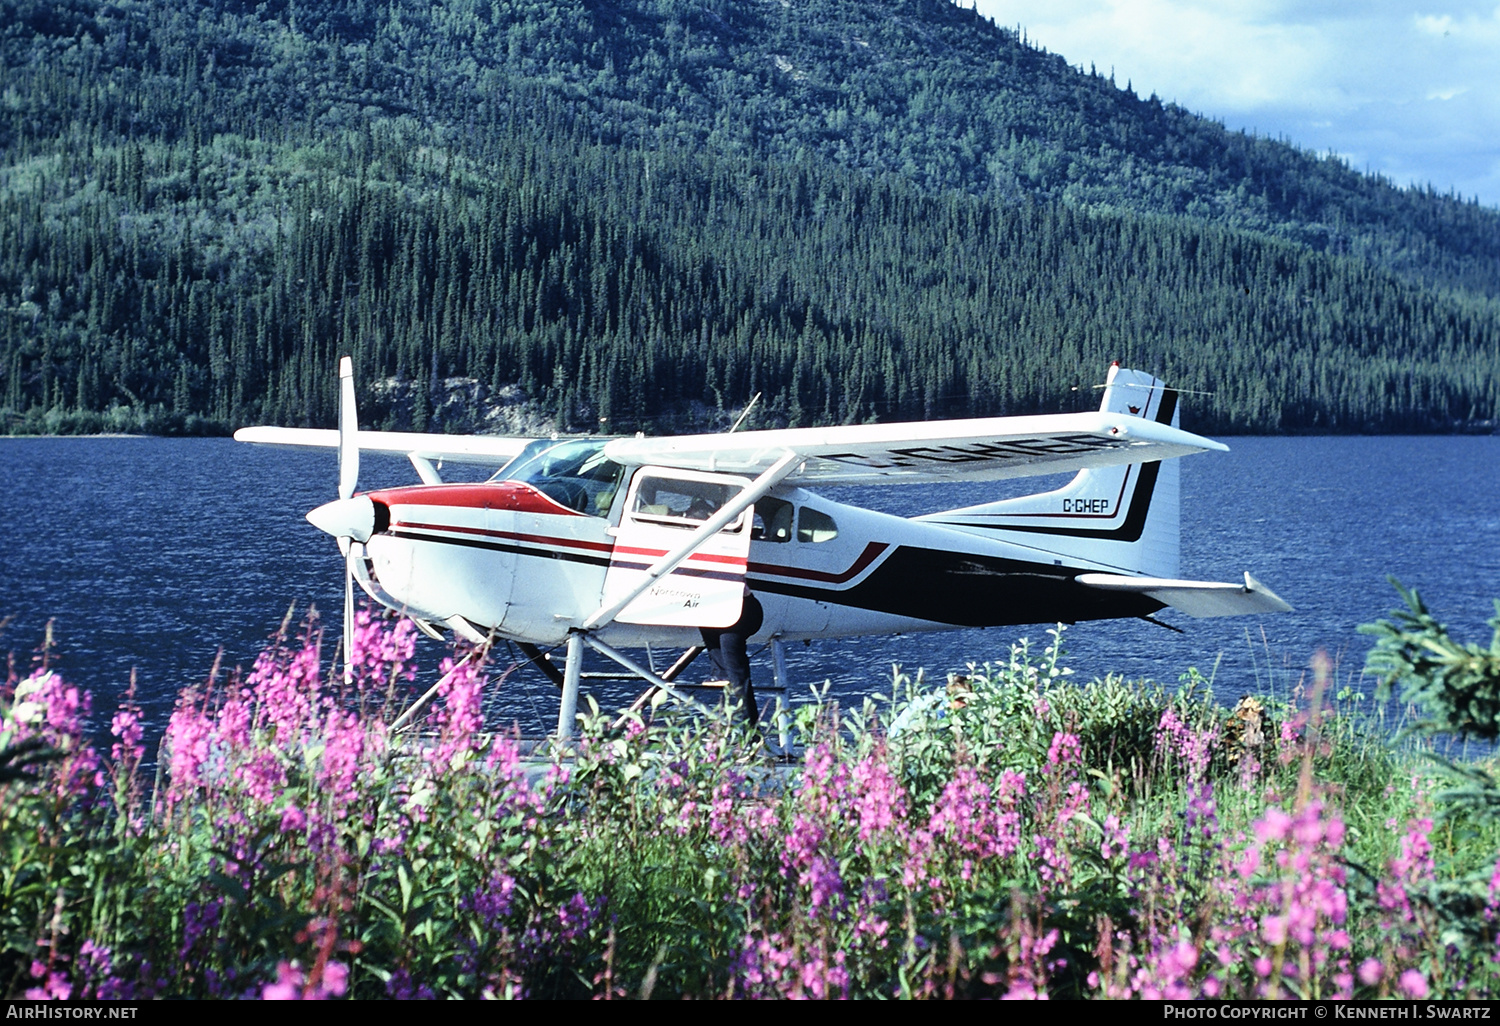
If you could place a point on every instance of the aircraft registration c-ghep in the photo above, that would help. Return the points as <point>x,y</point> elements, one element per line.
<point>612,543</point>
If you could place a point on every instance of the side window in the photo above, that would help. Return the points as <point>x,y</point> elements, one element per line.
<point>681,503</point>
<point>813,526</point>
<point>773,521</point>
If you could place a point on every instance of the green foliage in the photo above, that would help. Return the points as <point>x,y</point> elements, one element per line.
<point>1456,685</point>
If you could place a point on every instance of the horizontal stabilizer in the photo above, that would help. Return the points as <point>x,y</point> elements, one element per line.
<point>1195,598</point>
<point>481,450</point>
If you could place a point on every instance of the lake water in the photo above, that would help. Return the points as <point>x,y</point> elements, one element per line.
<point>152,553</point>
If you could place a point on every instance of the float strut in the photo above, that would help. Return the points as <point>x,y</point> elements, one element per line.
<point>783,680</point>
<point>567,713</point>
<point>416,706</point>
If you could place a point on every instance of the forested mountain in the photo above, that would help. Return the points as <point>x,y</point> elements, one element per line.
<point>884,210</point>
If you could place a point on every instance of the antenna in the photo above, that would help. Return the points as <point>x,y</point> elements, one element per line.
<point>745,413</point>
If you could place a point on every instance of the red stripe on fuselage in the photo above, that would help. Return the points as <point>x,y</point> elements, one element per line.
<point>508,495</point>
<point>706,557</point>
<point>871,553</point>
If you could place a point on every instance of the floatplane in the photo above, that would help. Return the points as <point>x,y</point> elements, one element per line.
<point>624,543</point>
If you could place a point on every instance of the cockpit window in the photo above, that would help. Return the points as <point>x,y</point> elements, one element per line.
<point>574,473</point>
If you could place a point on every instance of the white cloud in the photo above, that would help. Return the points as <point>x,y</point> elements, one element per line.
<point>1412,94</point>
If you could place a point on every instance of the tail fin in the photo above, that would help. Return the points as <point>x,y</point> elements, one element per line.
<point>1121,517</point>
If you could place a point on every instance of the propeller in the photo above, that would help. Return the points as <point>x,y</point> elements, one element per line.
<point>348,518</point>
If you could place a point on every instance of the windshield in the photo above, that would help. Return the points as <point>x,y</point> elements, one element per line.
<point>574,473</point>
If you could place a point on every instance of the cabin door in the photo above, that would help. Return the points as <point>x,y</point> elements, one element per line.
<point>662,509</point>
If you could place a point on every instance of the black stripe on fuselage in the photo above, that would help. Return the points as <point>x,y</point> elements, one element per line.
<point>682,571</point>
<point>475,543</point>
<point>1130,530</point>
<point>970,590</point>
<point>570,557</point>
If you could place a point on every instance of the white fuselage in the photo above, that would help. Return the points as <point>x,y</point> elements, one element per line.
<point>509,559</point>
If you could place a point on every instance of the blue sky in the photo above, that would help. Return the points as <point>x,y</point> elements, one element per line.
<point>1410,90</point>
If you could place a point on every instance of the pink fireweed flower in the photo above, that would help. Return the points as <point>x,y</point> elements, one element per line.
<point>492,902</point>
<point>879,799</point>
<point>824,978</point>
<point>1413,984</point>
<point>1176,739</point>
<point>263,777</point>
<point>1415,863</point>
<point>97,976</point>
<point>1065,750</point>
<point>1295,889</point>
<point>55,988</point>
<point>1201,815</point>
<point>233,725</point>
<point>344,739</point>
<point>1273,929</point>
<point>126,726</point>
<point>1168,976</point>
<point>287,687</point>
<point>1274,826</point>
<point>1116,840</point>
<point>49,707</point>
<point>292,984</point>
<point>824,784</point>
<point>187,737</point>
<point>1291,738</point>
<point>1412,869</point>
<point>461,716</point>
<point>802,843</point>
<point>1026,977</point>
<point>382,652</point>
<point>973,820</point>
<point>824,885</point>
<point>773,966</point>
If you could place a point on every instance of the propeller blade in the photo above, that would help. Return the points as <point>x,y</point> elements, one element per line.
<point>349,612</point>
<point>348,430</point>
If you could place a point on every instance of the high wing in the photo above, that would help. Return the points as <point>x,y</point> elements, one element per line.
<point>481,450</point>
<point>988,449</point>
